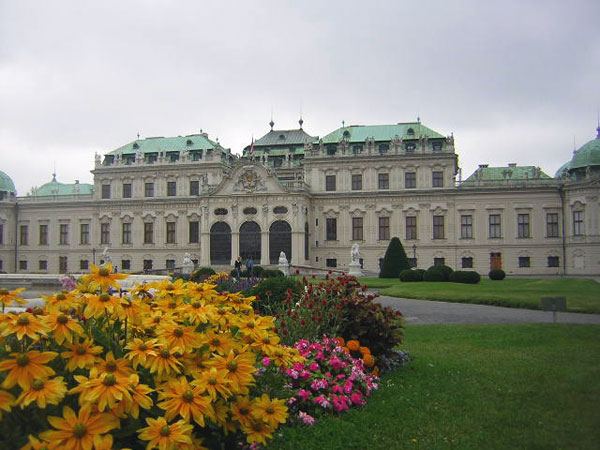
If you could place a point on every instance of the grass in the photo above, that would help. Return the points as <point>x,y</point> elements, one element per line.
<point>583,295</point>
<point>473,387</point>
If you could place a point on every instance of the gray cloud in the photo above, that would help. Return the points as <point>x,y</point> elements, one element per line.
<point>514,81</point>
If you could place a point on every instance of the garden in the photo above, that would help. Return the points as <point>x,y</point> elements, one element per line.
<point>212,362</point>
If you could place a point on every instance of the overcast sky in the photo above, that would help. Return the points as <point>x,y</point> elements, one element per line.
<point>515,81</point>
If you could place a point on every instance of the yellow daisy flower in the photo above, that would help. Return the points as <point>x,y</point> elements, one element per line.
<point>214,382</point>
<point>63,301</point>
<point>81,355</point>
<point>62,327</point>
<point>106,391</point>
<point>99,305</point>
<point>180,398</point>
<point>118,367</point>
<point>24,324</point>
<point>26,367</point>
<point>272,411</point>
<point>179,337</point>
<point>43,392</point>
<point>240,368</point>
<point>6,402</point>
<point>139,350</point>
<point>7,297</point>
<point>78,431</point>
<point>164,436</point>
<point>257,431</point>
<point>103,277</point>
<point>241,409</point>
<point>164,363</point>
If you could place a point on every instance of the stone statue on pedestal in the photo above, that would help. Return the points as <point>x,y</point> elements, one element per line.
<point>188,266</point>
<point>355,269</point>
<point>283,264</point>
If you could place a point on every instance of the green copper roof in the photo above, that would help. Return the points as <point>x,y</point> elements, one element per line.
<point>562,169</point>
<point>587,155</point>
<point>166,144</point>
<point>6,183</point>
<point>56,188</point>
<point>512,172</point>
<point>284,137</point>
<point>360,133</point>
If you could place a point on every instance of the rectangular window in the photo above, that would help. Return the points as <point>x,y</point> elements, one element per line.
<point>467,263</point>
<point>106,191</point>
<point>524,261</point>
<point>466,227</point>
<point>578,228</point>
<point>62,264</point>
<point>552,225</point>
<point>64,234</point>
<point>523,225</point>
<point>410,148</point>
<point>1,234</point>
<point>126,233</point>
<point>105,233</point>
<point>148,189</point>
<point>410,180</point>
<point>411,228</point>
<point>331,262</point>
<point>22,265</point>
<point>331,229</point>
<point>383,181</point>
<point>43,234</point>
<point>383,148</point>
<point>84,233</point>
<point>330,183</point>
<point>437,179</point>
<point>170,264</point>
<point>125,264</point>
<point>439,261</point>
<point>356,182</point>
<point>171,188</point>
<point>553,261</point>
<point>194,187</point>
<point>357,228</point>
<point>148,233</point>
<point>147,264</point>
<point>84,264</point>
<point>384,228</point>
<point>438,227</point>
<point>42,264</point>
<point>171,232</point>
<point>126,190</point>
<point>495,230</point>
<point>24,235</point>
<point>194,232</point>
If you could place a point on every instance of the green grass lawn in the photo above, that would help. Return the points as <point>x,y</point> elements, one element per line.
<point>476,387</point>
<point>583,295</point>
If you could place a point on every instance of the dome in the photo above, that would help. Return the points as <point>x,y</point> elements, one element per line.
<point>563,169</point>
<point>6,183</point>
<point>588,155</point>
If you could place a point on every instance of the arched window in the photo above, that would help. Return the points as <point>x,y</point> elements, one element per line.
<point>220,244</point>
<point>280,239</point>
<point>250,241</point>
<point>221,211</point>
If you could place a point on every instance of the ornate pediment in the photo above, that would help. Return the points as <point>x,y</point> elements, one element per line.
<point>249,180</point>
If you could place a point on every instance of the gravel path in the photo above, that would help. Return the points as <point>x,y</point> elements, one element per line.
<point>426,312</point>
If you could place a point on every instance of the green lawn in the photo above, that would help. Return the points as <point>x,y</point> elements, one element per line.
<point>583,295</point>
<point>476,387</point>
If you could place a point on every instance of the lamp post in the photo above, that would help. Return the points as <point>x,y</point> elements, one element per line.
<point>414,247</point>
<point>94,255</point>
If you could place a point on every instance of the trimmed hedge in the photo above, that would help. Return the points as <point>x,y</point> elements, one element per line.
<point>412,275</point>
<point>394,261</point>
<point>465,276</point>
<point>497,274</point>
<point>202,273</point>
<point>438,273</point>
<point>272,291</point>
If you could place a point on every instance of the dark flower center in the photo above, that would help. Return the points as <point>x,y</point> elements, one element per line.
<point>79,430</point>
<point>103,272</point>
<point>3,291</point>
<point>164,431</point>
<point>111,366</point>
<point>178,332</point>
<point>170,287</point>
<point>104,298</point>
<point>143,347</point>
<point>22,360</point>
<point>109,380</point>
<point>81,351</point>
<point>38,385</point>
<point>164,353</point>
<point>270,410</point>
<point>188,396</point>
<point>244,411</point>
<point>232,366</point>
<point>23,321</point>
<point>62,319</point>
<point>61,296</point>
<point>212,381</point>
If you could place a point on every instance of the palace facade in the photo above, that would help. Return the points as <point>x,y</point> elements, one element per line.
<point>155,199</point>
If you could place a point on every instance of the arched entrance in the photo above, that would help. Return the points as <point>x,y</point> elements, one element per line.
<point>250,241</point>
<point>220,244</point>
<point>280,239</point>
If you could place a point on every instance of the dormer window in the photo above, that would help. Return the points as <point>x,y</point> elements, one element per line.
<point>410,132</point>
<point>331,150</point>
<point>410,147</point>
<point>188,142</point>
<point>383,148</point>
<point>346,134</point>
<point>135,145</point>
<point>282,137</point>
<point>437,146</point>
<point>356,149</point>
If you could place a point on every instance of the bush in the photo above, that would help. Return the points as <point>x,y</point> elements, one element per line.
<point>497,274</point>
<point>465,276</point>
<point>394,261</point>
<point>438,273</point>
<point>259,271</point>
<point>271,292</point>
<point>202,273</point>
<point>412,275</point>
<point>273,273</point>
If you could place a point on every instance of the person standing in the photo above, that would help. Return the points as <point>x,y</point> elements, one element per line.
<point>238,267</point>
<point>250,266</point>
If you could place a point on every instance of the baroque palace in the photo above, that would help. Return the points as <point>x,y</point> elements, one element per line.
<point>155,199</point>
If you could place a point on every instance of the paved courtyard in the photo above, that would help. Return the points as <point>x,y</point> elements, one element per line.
<point>425,312</point>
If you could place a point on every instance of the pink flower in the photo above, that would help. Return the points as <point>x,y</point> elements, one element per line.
<point>292,374</point>
<point>266,361</point>
<point>313,366</point>
<point>298,367</point>
<point>306,418</point>
<point>348,386</point>
<point>305,375</point>
<point>337,389</point>
<point>304,394</point>
<point>356,398</point>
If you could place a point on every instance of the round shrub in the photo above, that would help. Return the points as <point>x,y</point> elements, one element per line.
<point>202,273</point>
<point>438,273</point>
<point>272,291</point>
<point>259,271</point>
<point>497,274</point>
<point>412,275</point>
<point>273,273</point>
<point>465,276</point>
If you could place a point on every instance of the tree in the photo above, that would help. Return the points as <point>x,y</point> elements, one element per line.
<point>395,260</point>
